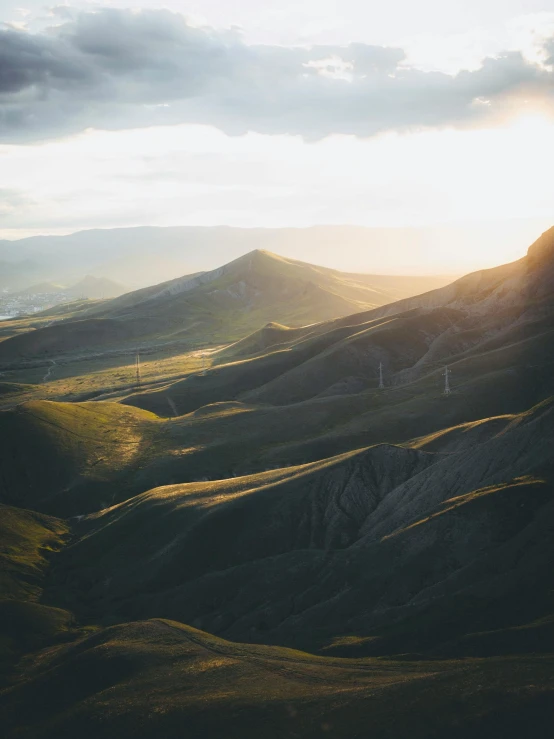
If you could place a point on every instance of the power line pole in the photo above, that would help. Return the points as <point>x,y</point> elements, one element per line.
<point>447,374</point>
<point>381,383</point>
<point>137,367</point>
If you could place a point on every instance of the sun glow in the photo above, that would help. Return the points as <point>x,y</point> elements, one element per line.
<point>197,175</point>
<point>533,124</point>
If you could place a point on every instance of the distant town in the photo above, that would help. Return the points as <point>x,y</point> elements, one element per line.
<point>44,295</point>
<point>22,304</point>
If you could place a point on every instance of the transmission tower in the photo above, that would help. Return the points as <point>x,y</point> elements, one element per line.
<point>137,368</point>
<point>204,363</point>
<point>447,374</point>
<point>381,383</point>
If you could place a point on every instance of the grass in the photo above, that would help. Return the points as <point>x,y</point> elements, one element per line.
<point>152,679</point>
<point>304,553</point>
<point>109,374</point>
<point>79,449</point>
<point>28,540</point>
<point>247,294</point>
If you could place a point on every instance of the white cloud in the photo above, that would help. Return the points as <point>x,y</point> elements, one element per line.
<point>198,175</point>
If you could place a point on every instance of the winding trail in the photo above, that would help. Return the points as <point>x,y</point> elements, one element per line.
<point>50,369</point>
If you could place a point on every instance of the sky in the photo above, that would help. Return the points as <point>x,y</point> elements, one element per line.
<point>277,114</point>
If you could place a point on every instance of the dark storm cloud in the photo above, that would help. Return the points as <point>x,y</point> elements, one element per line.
<point>120,69</point>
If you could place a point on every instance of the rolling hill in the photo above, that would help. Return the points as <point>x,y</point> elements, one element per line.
<point>218,306</point>
<point>368,543</point>
<point>489,322</point>
<point>153,678</point>
<point>311,394</point>
<point>210,528</point>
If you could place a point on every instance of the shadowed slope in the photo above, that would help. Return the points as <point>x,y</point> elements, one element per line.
<point>60,456</point>
<point>26,537</point>
<point>216,688</point>
<point>357,544</point>
<point>27,542</point>
<point>208,526</point>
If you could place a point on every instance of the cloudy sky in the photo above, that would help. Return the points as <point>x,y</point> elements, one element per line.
<point>275,113</point>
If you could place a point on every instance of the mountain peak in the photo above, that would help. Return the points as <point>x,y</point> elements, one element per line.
<point>258,259</point>
<point>260,254</point>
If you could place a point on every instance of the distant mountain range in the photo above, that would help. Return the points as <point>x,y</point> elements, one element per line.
<point>147,255</point>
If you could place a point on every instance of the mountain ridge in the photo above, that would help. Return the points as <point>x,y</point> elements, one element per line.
<point>223,304</point>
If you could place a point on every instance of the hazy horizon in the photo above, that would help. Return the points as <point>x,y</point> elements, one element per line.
<point>282,115</point>
<point>420,251</point>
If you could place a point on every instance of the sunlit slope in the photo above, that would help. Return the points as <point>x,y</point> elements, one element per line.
<point>414,549</point>
<point>260,279</point>
<point>520,286</point>
<point>500,320</point>
<point>56,456</point>
<point>151,679</point>
<point>218,306</point>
